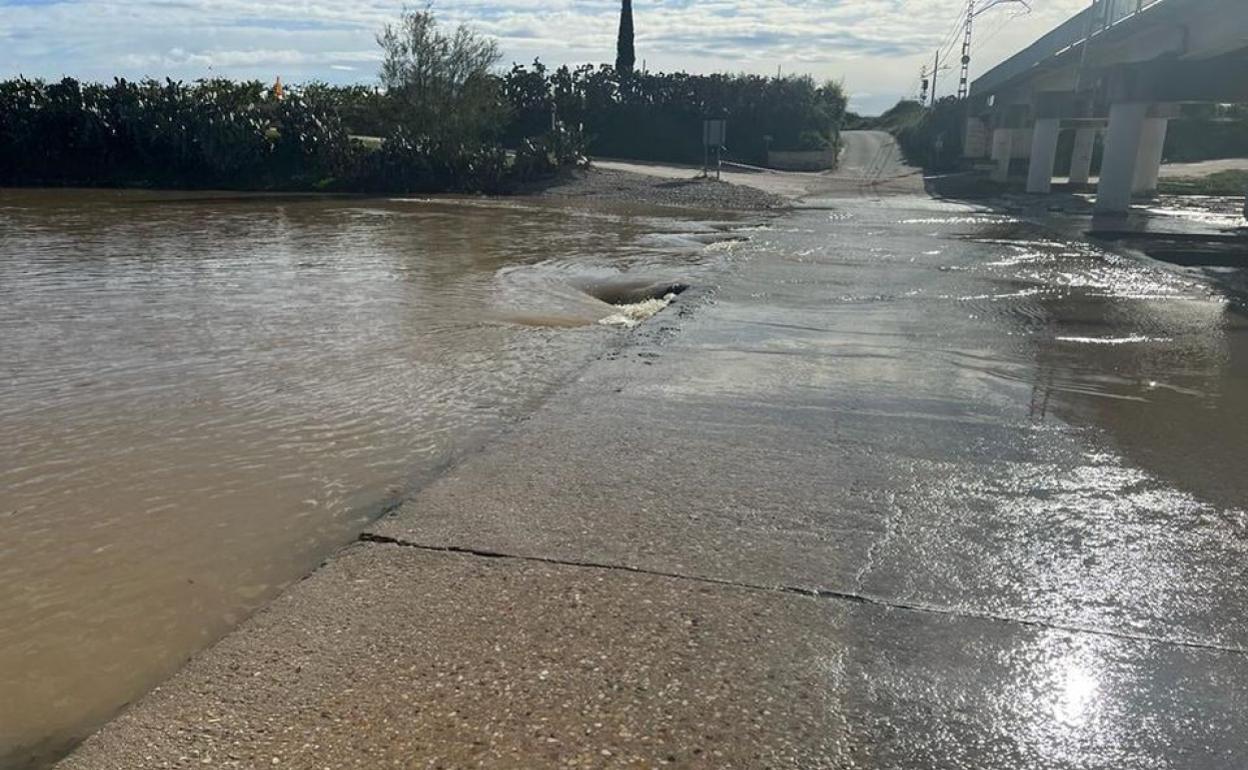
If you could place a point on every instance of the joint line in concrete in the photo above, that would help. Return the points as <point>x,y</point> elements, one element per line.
<point>812,593</point>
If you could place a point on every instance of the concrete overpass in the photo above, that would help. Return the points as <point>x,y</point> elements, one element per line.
<point>1121,66</point>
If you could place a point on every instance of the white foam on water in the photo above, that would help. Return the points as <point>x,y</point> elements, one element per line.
<point>1129,340</point>
<point>632,314</point>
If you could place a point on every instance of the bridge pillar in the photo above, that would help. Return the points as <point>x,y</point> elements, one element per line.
<point>1081,159</point>
<point>1002,153</point>
<point>1148,165</point>
<point>1043,155</point>
<point>977,142</point>
<point>1122,155</point>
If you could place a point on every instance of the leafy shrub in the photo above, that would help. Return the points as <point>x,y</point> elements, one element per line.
<point>931,138</point>
<point>544,155</point>
<point>218,133</point>
<point>657,116</point>
<point>363,110</point>
<point>1192,139</point>
<point>812,141</point>
<point>203,134</point>
<point>440,80</point>
<point>408,163</point>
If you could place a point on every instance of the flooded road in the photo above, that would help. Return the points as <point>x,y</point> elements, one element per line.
<point>928,486</point>
<point>925,485</point>
<point>200,398</point>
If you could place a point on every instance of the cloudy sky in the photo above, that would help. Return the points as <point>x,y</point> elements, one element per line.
<point>875,46</point>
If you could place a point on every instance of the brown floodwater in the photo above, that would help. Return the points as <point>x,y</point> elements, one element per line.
<point>201,397</point>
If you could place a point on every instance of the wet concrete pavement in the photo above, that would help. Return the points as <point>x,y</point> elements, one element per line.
<point>396,657</point>
<point>896,494</point>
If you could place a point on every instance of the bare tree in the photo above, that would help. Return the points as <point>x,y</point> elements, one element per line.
<point>441,80</point>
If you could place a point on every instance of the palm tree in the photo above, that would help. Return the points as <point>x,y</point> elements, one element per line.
<point>625,56</point>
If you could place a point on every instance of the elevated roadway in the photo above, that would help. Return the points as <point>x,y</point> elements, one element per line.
<point>1121,67</point>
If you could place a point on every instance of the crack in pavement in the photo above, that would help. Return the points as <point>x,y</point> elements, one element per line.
<point>860,578</point>
<point>815,593</point>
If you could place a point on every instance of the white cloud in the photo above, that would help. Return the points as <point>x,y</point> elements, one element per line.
<point>875,46</point>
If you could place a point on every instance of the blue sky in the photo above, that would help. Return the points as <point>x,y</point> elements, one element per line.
<point>875,46</point>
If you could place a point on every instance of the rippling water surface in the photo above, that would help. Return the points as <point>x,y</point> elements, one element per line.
<point>201,397</point>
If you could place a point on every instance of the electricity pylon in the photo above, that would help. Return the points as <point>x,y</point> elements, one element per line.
<point>964,85</point>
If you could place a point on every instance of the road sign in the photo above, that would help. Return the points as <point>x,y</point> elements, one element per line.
<point>714,133</point>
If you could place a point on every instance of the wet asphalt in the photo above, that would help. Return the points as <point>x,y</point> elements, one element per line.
<point>894,492</point>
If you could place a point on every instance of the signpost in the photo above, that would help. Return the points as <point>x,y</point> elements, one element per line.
<point>714,134</point>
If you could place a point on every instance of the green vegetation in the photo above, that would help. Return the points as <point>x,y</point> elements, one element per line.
<point>654,116</point>
<point>625,55</point>
<point>442,119</point>
<point>1234,183</point>
<point>222,134</point>
<point>931,138</point>
<point>1208,132</point>
<point>439,115</point>
<point>903,114</point>
<point>439,83</point>
<point>213,132</point>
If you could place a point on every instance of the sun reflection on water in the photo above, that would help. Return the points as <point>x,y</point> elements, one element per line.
<point>1077,692</point>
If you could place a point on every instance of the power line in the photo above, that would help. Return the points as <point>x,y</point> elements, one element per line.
<point>963,27</point>
<point>974,9</point>
<point>1002,23</point>
<point>952,32</point>
<point>943,52</point>
<point>951,37</point>
<point>947,49</point>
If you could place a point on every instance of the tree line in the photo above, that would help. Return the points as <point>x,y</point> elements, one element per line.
<point>442,117</point>
<point>658,116</point>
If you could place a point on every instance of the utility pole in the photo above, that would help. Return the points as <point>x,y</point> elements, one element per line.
<point>964,85</point>
<point>935,74</point>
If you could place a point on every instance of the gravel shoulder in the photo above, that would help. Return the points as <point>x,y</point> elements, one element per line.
<point>617,186</point>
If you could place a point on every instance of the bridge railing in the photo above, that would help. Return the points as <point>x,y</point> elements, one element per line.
<point>1084,26</point>
<point>1117,10</point>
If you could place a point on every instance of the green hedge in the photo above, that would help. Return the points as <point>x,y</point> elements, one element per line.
<point>1193,139</point>
<point>225,134</point>
<point>654,116</point>
<point>237,135</point>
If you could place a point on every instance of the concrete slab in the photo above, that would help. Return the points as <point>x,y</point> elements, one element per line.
<point>863,440</point>
<point>397,657</point>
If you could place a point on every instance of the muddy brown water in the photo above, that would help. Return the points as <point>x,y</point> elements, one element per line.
<point>201,397</point>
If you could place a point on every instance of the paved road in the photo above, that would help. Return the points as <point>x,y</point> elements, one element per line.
<point>872,155</point>
<point>788,184</point>
<point>919,486</point>
<point>871,163</point>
